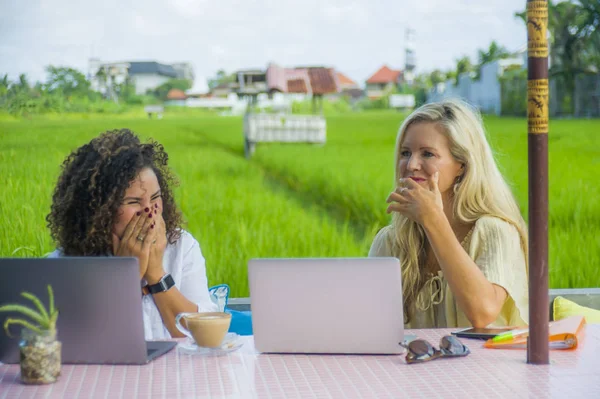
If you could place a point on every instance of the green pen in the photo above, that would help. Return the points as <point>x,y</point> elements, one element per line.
<point>509,335</point>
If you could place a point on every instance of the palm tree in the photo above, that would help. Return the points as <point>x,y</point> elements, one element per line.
<point>4,85</point>
<point>23,84</point>
<point>437,76</point>
<point>463,65</point>
<point>493,53</point>
<point>592,34</point>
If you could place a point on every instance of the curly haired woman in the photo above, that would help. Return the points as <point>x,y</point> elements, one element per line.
<point>114,198</point>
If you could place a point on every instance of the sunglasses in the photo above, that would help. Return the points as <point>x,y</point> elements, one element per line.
<point>419,350</point>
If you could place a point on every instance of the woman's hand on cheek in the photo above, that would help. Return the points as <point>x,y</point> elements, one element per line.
<point>135,241</point>
<point>157,250</point>
<point>415,202</point>
<point>435,189</point>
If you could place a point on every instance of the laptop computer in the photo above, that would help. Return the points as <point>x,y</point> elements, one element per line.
<point>99,300</point>
<point>329,305</point>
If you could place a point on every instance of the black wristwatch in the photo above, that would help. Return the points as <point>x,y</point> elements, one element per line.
<point>165,283</point>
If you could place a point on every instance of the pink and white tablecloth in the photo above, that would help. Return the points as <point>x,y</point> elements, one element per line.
<point>485,373</point>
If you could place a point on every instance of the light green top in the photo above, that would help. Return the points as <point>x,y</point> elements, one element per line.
<point>495,246</point>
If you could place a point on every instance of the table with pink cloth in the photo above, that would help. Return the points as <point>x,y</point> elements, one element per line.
<point>485,373</point>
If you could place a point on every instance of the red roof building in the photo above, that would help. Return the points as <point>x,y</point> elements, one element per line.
<point>322,80</point>
<point>385,75</point>
<point>383,81</point>
<point>310,80</point>
<point>296,86</point>
<point>345,82</point>
<point>176,94</point>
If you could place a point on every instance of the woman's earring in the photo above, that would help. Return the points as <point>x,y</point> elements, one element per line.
<point>457,182</point>
<point>459,179</point>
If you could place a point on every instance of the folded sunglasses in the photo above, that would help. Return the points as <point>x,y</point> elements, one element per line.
<point>419,350</point>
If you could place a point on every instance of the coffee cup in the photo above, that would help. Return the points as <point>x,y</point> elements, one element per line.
<point>207,329</point>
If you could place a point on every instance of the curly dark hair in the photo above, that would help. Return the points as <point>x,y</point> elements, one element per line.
<point>92,186</point>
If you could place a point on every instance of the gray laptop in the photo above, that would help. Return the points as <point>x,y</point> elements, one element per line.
<point>329,305</point>
<point>100,307</point>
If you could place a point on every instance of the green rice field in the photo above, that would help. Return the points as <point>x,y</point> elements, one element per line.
<point>296,200</point>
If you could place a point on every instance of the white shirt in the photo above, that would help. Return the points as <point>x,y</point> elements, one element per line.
<point>184,261</point>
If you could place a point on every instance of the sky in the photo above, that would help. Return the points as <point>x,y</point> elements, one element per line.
<point>356,37</point>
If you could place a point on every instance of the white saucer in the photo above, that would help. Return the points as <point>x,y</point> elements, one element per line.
<point>231,342</point>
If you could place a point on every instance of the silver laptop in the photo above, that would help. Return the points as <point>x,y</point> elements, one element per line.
<point>330,305</point>
<point>100,307</point>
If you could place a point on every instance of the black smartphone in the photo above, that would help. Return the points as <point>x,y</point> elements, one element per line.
<point>481,333</point>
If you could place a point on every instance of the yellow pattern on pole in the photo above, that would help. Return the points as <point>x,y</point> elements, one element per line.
<point>537,25</point>
<point>537,106</point>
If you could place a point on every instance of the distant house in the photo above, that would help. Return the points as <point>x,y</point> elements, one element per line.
<point>348,87</point>
<point>299,82</point>
<point>184,70</point>
<point>222,90</point>
<point>322,80</point>
<point>250,82</point>
<point>176,97</point>
<point>384,81</point>
<point>149,75</point>
<point>304,81</point>
<point>344,82</point>
<point>144,75</point>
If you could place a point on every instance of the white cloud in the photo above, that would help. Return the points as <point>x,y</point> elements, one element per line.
<point>218,50</point>
<point>353,12</point>
<point>190,8</point>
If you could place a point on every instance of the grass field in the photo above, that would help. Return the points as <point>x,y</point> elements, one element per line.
<point>296,200</point>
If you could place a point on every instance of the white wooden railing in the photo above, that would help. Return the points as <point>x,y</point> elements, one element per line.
<point>270,128</point>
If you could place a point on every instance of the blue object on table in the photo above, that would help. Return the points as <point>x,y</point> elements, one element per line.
<point>241,321</point>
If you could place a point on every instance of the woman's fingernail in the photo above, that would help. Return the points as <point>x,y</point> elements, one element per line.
<point>147,209</point>
<point>138,213</point>
<point>149,215</point>
<point>152,226</point>
<point>155,212</point>
<point>156,205</point>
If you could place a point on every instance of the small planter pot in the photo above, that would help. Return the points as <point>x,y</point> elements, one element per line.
<point>40,357</point>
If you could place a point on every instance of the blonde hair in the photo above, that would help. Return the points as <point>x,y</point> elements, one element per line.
<point>481,190</point>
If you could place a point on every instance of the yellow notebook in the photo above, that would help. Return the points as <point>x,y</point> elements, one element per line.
<point>563,334</point>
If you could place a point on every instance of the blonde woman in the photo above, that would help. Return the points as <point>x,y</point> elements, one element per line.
<point>457,229</point>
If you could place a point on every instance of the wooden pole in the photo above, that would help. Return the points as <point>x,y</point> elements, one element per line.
<point>537,133</point>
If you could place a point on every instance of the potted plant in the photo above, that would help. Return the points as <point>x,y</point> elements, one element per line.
<point>40,350</point>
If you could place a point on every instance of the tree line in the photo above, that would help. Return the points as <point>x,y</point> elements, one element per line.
<point>69,90</point>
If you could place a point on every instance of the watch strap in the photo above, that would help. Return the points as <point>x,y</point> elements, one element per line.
<point>165,283</point>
